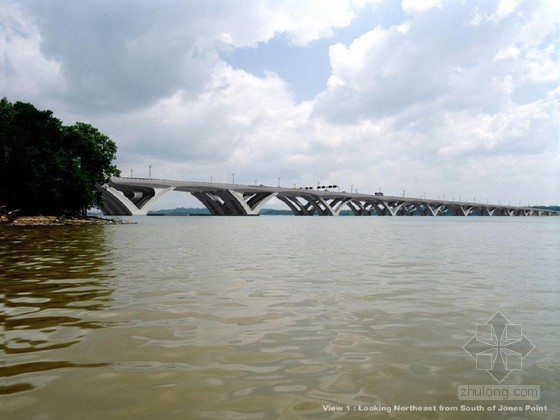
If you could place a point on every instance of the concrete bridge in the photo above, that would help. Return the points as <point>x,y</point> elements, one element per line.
<point>135,196</point>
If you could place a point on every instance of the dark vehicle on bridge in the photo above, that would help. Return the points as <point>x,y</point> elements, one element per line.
<point>378,193</point>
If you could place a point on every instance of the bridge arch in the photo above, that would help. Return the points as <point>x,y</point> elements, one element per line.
<point>135,196</point>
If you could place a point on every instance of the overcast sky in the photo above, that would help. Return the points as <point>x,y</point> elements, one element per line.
<point>429,96</point>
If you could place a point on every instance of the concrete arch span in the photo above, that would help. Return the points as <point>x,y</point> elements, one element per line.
<point>232,203</point>
<point>305,205</point>
<point>123,200</point>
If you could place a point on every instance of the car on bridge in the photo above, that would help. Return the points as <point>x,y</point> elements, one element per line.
<point>378,193</point>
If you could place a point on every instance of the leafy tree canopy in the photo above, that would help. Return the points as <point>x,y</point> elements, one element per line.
<point>49,168</point>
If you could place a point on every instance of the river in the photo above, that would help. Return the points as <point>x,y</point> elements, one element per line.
<point>273,316</point>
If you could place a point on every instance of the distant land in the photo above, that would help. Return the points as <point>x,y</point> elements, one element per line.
<point>179,211</point>
<point>182,211</point>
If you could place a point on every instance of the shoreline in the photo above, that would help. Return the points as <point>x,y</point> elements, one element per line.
<point>62,221</point>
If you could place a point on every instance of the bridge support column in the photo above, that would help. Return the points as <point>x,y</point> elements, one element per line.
<point>297,207</point>
<point>115,203</point>
<point>360,209</point>
<point>233,203</point>
<point>336,205</point>
<point>130,201</point>
<point>381,208</point>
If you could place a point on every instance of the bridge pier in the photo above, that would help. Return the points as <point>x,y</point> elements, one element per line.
<point>127,202</point>
<point>232,203</point>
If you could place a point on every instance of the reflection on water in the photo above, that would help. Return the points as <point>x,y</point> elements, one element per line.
<point>50,277</point>
<point>269,317</point>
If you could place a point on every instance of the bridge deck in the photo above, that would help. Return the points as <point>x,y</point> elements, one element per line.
<point>135,196</point>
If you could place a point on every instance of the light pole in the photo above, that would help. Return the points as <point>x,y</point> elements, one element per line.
<point>131,173</point>
<point>424,196</point>
<point>279,182</point>
<point>351,188</point>
<point>211,178</point>
<point>150,172</point>
<point>255,182</point>
<point>233,177</point>
<point>403,193</point>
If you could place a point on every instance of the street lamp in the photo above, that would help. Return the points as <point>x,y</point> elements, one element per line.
<point>279,182</point>
<point>150,166</point>
<point>233,177</point>
<point>131,173</point>
<point>211,178</point>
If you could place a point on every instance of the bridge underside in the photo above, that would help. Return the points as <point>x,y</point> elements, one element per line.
<point>126,201</point>
<point>132,200</point>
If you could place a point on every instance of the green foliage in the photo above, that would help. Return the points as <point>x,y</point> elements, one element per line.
<point>48,168</point>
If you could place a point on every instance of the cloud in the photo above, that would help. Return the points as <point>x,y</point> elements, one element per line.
<point>128,54</point>
<point>413,6</point>
<point>420,74</point>
<point>24,71</point>
<point>451,97</point>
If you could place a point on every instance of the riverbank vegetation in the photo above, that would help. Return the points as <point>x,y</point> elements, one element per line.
<point>47,168</point>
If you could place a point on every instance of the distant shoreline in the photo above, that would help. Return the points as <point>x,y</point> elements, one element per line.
<point>62,221</point>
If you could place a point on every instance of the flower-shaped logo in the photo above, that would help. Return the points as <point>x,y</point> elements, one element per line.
<point>499,347</point>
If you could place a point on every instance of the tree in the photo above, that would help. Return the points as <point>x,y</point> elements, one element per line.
<point>92,156</point>
<point>48,168</point>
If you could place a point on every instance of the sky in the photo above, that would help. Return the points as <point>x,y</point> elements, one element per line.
<point>455,99</point>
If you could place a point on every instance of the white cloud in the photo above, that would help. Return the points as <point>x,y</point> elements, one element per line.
<point>413,6</point>
<point>431,102</point>
<point>504,9</point>
<point>24,71</point>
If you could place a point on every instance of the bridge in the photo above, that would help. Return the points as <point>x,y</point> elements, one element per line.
<point>136,196</point>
